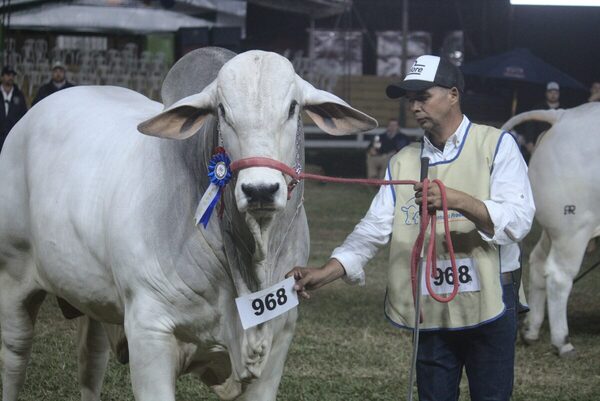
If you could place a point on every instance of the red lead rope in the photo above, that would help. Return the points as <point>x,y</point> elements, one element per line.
<point>431,258</point>
<point>431,270</point>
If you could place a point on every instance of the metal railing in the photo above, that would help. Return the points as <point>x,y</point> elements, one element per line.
<point>316,138</point>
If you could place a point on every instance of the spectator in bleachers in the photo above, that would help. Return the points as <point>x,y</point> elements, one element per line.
<point>57,82</point>
<point>383,147</point>
<point>533,129</point>
<point>15,106</point>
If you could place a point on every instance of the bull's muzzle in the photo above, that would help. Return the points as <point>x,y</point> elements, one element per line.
<point>260,190</point>
<point>260,195</point>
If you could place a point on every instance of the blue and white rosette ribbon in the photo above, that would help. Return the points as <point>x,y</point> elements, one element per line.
<point>219,174</point>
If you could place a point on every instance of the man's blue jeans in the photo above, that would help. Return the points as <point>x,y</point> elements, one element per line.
<point>487,353</point>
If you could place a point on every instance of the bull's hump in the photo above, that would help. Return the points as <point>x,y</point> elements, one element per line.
<point>193,72</point>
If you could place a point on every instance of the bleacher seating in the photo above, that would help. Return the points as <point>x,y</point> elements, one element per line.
<point>127,67</point>
<point>144,72</point>
<point>365,92</point>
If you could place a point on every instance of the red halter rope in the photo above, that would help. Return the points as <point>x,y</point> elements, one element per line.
<point>426,218</point>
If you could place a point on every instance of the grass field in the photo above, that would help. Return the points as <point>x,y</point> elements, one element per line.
<point>344,350</point>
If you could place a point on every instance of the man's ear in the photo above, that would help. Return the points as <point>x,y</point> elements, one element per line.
<point>454,95</point>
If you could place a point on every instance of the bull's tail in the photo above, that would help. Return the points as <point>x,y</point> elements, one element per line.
<point>548,116</point>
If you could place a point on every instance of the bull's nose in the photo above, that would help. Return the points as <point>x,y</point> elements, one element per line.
<point>260,193</point>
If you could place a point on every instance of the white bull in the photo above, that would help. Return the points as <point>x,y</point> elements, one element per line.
<point>566,191</point>
<point>102,216</point>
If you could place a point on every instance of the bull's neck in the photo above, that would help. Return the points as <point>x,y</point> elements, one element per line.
<point>258,245</point>
<point>254,247</point>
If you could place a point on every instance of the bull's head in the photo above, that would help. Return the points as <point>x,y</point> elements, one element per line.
<point>257,98</point>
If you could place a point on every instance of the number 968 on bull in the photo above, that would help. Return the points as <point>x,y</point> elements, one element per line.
<point>267,304</point>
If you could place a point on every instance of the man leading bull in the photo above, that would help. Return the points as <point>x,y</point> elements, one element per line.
<point>492,207</point>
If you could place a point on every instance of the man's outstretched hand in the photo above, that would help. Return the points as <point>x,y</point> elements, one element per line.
<point>311,278</point>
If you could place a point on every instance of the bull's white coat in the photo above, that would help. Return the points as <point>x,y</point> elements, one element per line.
<point>562,175</point>
<point>100,215</point>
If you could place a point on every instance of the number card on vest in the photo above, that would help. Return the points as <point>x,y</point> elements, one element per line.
<point>264,305</point>
<point>443,283</point>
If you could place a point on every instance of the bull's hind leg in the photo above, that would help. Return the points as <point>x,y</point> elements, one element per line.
<point>562,266</point>
<point>19,306</point>
<point>537,289</point>
<point>93,350</point>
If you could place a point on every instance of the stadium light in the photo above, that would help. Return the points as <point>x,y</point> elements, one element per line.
<point>584,3</point>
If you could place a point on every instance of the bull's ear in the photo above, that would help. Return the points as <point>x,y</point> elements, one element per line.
<point>184,118</point>
<point>331,113</point>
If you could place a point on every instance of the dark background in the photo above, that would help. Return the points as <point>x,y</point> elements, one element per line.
<point>563,36</point>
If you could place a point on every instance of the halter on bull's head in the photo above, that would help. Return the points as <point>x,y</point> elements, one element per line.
<point>257,98</point>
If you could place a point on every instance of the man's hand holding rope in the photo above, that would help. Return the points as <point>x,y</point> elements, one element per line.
<point>470,207</point>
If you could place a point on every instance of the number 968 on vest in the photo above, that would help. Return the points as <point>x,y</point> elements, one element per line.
<point>442,281</point>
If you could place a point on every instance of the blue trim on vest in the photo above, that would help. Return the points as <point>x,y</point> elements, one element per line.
<point>498,146</point>
<point>457,154</point>
<point>490,320</point>
<point>398,325</point>
<point>389,178</point>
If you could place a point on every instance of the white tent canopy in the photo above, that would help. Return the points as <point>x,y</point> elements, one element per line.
<point>312,8</point>
<point>89,18</point>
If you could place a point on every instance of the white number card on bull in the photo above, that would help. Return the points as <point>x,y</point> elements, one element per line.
<point>262,306</point>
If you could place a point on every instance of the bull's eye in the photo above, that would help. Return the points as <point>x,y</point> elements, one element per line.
<point>292,109</point>
<point>222,110</point>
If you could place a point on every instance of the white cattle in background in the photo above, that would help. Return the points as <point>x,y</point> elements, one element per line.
<point>101,216</point>
<point>566,189</point>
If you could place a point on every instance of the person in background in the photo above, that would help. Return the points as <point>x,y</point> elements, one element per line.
<point>15,106</point>
<point>532,130</point>
<point>383,147</point>
<point>490,195</point>
<point>56,83</point>
<point>595,92</point>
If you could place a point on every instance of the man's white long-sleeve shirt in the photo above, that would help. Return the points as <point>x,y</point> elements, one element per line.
<point>510,206</point>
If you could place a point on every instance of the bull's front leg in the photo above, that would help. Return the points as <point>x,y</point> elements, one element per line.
<point>154,356</point>
<point>18,311</point>
<point>265,387</point>
<point>537,289</point>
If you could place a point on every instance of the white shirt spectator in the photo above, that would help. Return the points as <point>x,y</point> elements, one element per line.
<point>7,98</point>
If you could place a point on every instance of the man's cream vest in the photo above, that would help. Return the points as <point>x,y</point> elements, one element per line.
<point>480,293</point>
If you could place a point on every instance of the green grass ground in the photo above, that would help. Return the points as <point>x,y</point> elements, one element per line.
<point>343,348</point>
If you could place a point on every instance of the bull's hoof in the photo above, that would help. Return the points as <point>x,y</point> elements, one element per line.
<point>567,351</point>
<point>528,339</point>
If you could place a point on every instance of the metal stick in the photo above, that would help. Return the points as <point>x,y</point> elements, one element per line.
<point>413,364</point>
